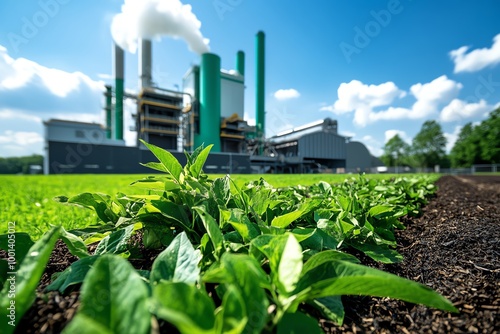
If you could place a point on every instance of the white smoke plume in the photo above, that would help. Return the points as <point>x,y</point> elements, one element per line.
<point>153,19</point>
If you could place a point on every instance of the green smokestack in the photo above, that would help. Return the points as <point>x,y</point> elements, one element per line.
<point>240,62</point>
<point>119,75</point>
<point>260,85</point>
<point>209,102</point>
<point>108,109</point>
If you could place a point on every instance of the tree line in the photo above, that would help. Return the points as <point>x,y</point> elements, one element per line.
<point>476,144</point>
<point>19,165</point>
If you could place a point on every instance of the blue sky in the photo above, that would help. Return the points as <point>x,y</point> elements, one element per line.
<point>378,67</point>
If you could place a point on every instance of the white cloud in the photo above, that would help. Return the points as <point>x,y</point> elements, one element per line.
<point>9,114</point>
<point>20,143</point>
<point>389,134</point>
<point>286,94</point>
<point>355,95</point>
<point>31,93</point>
<point>458,110</point>
<point>20,72</point>
<point>362,99</point>
<point>84,117</point>
<point>250,120</point>
<point>373,145</point>
<point>20,137</point>
<point>349,134</point>
<point>476,59</point>
<point>451,138</point>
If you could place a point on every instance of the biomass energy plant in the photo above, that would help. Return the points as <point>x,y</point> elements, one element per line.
<point>209,110</point>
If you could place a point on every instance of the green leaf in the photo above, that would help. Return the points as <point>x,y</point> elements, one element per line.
<point>344,202</point>
<point>84,324</point>
<point>326,256</point>
<point>380,210</point>
<point>174,212</point>
<point>114,299</point>
<point>188,308</point>
<point>75,244</point>
<point>298,323</point>
<point>221,190</point>
<point>285,259</point>
<point>337,277</point>
<point>232,317</point>
<point>4,269</point>
<point>169,162</point>
<point>286,219</point>
<point>381,253</point>
<point>156,235</point>
<point>245,273</point>
<point>212,228</point>
<point>18,243</point>
<point>156,184</point>
<point>331,308</point>
<point>258,198</point>
<point>319,240</point>
<point>100,203</point>
<point>240,222</point>
<point>302,234</point>
<point>26,279</point>
<point>156,166</point>
<point>199,161</point>
<point>177,263</point>
<point>290,263</point>
<point>116,242</point>
<point>73,275</point>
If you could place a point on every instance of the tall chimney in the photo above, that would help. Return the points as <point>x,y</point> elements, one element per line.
<point>119,75</point>
<point>260,85</point>
<point>240,63</point>
<point>145,64</point>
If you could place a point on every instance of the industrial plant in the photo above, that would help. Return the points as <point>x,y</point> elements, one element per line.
<point>208,110</point>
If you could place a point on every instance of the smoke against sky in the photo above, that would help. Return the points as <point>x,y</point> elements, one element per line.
<point>154,19</point>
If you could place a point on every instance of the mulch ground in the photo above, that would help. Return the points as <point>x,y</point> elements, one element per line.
<point>453,247</point>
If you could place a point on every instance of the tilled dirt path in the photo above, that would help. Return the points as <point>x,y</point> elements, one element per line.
<point>453,248</point>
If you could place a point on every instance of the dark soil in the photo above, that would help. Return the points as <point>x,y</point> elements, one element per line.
<point>453,247</point>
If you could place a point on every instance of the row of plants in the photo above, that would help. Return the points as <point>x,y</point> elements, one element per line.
<point>231,259</point>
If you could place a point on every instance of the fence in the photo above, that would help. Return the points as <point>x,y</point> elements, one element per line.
<point>474,169</point>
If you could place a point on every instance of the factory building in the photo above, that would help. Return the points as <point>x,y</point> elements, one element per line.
<point>209,110</point>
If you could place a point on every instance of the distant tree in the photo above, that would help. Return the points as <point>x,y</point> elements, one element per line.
<point>466,149</point>
<point>478,144</point>
<point>428,146</point>
<point>395,152</point>
<point>19,165</point>
<point>490,137</point>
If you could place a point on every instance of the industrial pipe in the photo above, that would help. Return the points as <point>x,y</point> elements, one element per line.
<point>260,85</point>
<point>240,63</point>
<point>108,109</point>
<point>145,64</point>
<point>119,75</point>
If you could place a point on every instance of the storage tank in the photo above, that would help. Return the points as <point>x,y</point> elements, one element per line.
<point>210,106</point>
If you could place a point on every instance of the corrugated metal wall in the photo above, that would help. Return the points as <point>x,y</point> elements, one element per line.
<point>321,145</point>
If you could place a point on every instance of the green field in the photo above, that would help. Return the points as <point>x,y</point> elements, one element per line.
<point>28,200</point>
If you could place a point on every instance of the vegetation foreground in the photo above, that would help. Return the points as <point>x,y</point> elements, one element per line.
<point>229,258</point>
